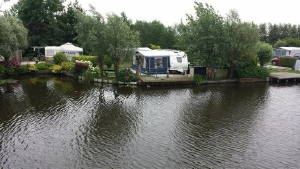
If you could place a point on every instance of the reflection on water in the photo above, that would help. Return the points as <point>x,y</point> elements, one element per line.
<point>54,122</point>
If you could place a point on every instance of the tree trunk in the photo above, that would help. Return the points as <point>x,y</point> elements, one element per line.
<point>116,65</point>
<point>231,72</point>
<point>100,62</point>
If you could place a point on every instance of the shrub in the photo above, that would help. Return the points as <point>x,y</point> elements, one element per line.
<point>14,62</point>
<point>32,68</point>
<point>92,59</point>
<point>2,70</point>
<point>23,68</point>
<point>81,66</point>
<point>126,75</point>
<point>89,76</point>
<point>67,66</point>
<point>287,61</point>
<point>44,66</point>
<point>56,69</point>
<point>251,70</point>
<point>198,79</point>
<point>59,57</point>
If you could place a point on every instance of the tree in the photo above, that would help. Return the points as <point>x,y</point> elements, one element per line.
<point>92,35</point>
<point>204,35</point>
<point>13,35</point>
<point>280,43</point>
<point>292,42</point>
<point>120,38</point>
<point>241,39</point>
<point>156,33</point>
<point>264,52</point>
<point>67,21</point>
<point>40,18</point>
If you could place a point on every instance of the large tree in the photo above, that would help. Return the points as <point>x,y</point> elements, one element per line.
<point>241,39</point>
<point>120,38</point>
<point>13,36</point>
<point>204,35</point>
<point>92,35</point>
<point>40,18</point>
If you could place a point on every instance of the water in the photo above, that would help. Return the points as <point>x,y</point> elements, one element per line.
<point>54,122</point>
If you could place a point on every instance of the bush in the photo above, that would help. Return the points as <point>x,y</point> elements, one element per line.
<point>126,75</point>
<point>81,66</point>
<point>287,61</point>
<point>198,79</point>
<point>60,57</point>
<point>56,69</point>
<point>67,66</point>
<point>89,76</point>
<point>23,68</point>
<point>32,68</point>
<point>2,70</point>
<point>251,70</point>
<point>92,59</point>
<point>44,66</point>
<point>14,62</point>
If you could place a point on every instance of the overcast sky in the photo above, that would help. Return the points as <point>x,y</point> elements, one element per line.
<point>170,12</point>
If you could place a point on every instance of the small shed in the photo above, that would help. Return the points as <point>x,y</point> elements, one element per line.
<point>68,48</point>
<point>154,62</point>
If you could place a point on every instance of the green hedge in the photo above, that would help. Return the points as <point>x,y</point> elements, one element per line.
<point>253,71</point>
<point>43,66</point>
<point>92,59</point>
<point>287,62</point>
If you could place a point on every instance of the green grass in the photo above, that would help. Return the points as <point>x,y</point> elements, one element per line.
<point>289,71</point>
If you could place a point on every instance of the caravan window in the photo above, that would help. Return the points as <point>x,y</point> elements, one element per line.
<point>179,59</point>
<point>50,53</point>
<point>158,62</point>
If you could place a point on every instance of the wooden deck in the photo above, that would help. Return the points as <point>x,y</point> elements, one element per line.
<point>284,76</point>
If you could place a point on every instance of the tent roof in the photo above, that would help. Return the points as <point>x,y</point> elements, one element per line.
<point>65,47</point>
<point>70,47</point>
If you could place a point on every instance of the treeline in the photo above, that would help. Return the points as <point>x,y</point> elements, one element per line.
<point>271,33</point>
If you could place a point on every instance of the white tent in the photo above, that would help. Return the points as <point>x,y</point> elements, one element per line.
<point>68,48</point>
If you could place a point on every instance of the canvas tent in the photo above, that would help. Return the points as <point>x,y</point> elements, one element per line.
<point>68,48</point>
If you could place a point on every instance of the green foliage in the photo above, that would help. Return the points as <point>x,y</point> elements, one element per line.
<point>155,46</point>
<point>56,68</point>
<point>292,42</point>
<point>13,35</point>
<point>198,79</point>
<point>126,75</point>
<point>155,32</point>
<point>120,39</point>
<point>23,68</point>
<point>60,57</point>
<point>107,61</point>
<point>43,66</point>
<point>203,35</point>
<point>251,70</point>
<point>264,53</point>
<point>91,30</point>
<point>92,59</point>
<point>287,62</point>
<point>280,43</point>
<point>2,70</point>
<point>67,66</point>
<point>32,68</point>
<point>89,76</point>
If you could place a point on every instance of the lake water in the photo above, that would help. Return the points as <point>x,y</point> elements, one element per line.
<point>55,122</point>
